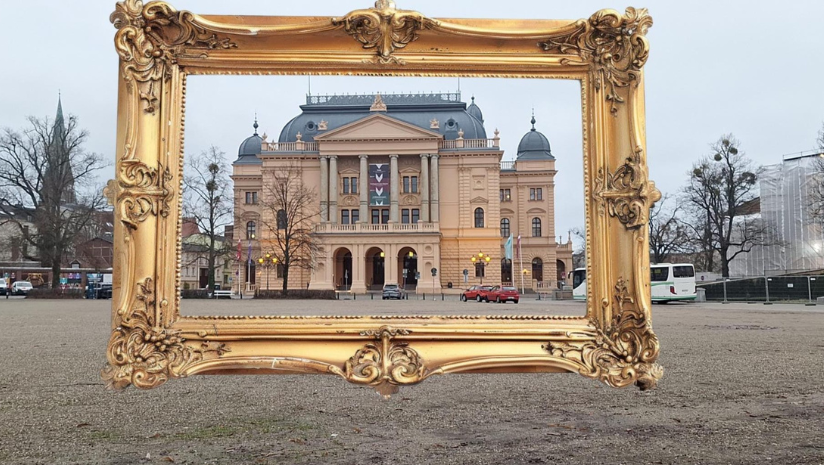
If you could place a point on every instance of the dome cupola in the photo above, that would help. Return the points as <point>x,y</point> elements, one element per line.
<point>534,146</point>
<point>251,147</point>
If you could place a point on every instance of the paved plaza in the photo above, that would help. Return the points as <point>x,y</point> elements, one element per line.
<point>743,384</point>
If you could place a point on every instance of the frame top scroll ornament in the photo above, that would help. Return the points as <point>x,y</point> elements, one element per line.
<point>159,47</point>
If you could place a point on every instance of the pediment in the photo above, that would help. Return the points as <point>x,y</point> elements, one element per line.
<point>478,200</point>
<point>377,127</point>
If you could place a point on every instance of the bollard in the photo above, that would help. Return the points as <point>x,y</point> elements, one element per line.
<point>424,296</point>
<point>442,296</point>
<point>354,296</point>
<point>725,291</point>
<point>372,296</point>
<point>767,287</point>
<point>809,293</point>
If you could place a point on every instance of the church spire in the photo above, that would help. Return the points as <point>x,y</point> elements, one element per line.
<point>59,121</point>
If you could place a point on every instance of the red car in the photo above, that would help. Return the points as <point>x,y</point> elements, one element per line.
<point>503,294</point>
<point>477,293</point>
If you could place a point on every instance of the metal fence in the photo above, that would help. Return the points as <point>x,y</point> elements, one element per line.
<point>767,289</point>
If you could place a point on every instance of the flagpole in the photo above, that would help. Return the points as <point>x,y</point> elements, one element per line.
<point>521,256</point>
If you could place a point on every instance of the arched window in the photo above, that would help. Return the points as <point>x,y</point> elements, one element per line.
<point>250,230</point>
<point>479,217</point>
<point>537,269</point>
<point>504,227</point>
<point>536,227</point>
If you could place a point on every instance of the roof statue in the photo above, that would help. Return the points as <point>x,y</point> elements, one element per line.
<point>378,104</point>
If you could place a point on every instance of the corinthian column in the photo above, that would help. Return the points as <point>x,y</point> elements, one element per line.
<point>333,189</point>
<point>324,190</point>
<point>364,189</point>
<point>424,188</point>
<point>393,188</point>
<point>433,195</point>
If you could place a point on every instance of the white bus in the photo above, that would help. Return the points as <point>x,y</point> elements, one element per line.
<point>672,281</point>
<point>579,284</point>
<point>668,281</point>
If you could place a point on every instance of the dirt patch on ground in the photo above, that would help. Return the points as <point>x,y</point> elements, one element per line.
<point>733,392</point>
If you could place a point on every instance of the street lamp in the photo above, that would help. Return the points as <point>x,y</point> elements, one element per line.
<point>267,263</point>
<point>249,262</point>
<point>481,260</point>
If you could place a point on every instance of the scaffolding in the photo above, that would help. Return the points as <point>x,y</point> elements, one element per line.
<point>788,199</point>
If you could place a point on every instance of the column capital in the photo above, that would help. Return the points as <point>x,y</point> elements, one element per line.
<point>393,156</point>
<point>363,157</point>
<point>435,155</point>
<point>424,155</point>
<point>332,157</point>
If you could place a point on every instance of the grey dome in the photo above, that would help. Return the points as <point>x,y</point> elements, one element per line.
<point>534,146</point>
<point>475,111</point>
<point>419,110</point>
<point>250,148</point>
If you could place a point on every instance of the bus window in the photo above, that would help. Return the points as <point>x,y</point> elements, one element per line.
<point>578,277</point>
<point>683,272</point>
<point>659,274</point>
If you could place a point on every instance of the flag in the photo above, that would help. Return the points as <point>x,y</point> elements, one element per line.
<point>508,248</point>
<point>238,250</point>
<point>519,246</point>
<point>249,254</point>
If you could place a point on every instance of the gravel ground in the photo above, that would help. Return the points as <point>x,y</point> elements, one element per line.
<point>743,384</point>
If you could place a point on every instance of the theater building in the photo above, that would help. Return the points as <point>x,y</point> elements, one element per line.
<point>404,185</point>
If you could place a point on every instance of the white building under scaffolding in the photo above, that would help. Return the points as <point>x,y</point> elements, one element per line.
<point>788,199</point>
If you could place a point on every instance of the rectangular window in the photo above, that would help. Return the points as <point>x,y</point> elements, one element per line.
<point>659,274</point>
<point>416,215</point>
<point>683,271</point>
<point>344,217</point>
<point>355,216</point>
<point>384,216</point>
<point>532,194</point>
<point>353,185</point>
<point>376,216</point>
<point>414,184</point>
<point>251,198</point>
<point>539,193</point>
<point>406,184</point>
<point>405,216</point>
<point>345,185</point>
<point>506,195</point>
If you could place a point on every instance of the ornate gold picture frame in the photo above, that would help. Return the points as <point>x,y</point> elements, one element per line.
<point>159,47</point>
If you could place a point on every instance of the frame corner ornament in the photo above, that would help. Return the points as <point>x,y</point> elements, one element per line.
<point>144,353</point>
<point>614,45</point>
<point>627,194</point>
<point>149,38</point>
<point>623,353</point>
<point>385,29</point>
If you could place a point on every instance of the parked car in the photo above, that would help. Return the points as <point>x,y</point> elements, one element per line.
<point>476,293</point>
<point>103,292</point>
<point>4,288</point>
<point>391,291</point>
<point>21,287</point>
<point>504,294</point>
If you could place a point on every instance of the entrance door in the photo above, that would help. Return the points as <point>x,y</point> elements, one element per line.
<point>204,278</point>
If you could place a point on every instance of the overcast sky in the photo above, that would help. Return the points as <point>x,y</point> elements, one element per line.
<point>752,68</point>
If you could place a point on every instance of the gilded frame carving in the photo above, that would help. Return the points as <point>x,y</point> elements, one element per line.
<point>160,46</point>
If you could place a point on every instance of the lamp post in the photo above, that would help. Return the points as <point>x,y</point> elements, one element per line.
<point>481,260</point>
<point>266,264</point>
<point>249,262</point>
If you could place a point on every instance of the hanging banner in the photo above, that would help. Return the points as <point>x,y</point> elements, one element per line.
<point>379,184</point>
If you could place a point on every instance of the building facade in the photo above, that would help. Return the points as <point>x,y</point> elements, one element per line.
<point>407,189</point>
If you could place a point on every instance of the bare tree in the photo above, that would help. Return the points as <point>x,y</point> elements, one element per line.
<point>579,254</point>
<point>207,200</point>
<point>45,170</point>
<point>667,233</point>
<point>288,210</point>
<point>820,140</point>
<point>723,189</point>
